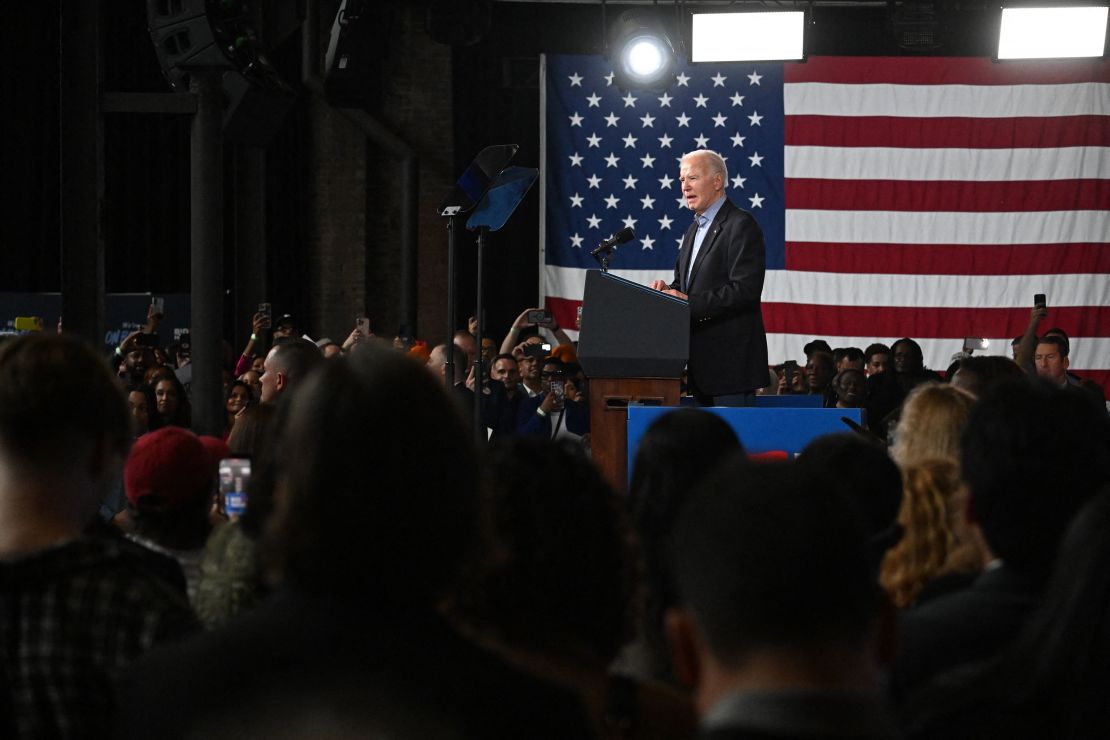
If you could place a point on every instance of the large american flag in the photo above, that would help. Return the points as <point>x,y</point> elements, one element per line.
<point>929,198</point>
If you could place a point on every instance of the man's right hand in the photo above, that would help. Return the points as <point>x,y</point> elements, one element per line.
<point>1037,315</point>
<point>659,285</point>
<point>258,323</point>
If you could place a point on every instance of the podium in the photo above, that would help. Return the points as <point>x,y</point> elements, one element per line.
<point>633,347</point>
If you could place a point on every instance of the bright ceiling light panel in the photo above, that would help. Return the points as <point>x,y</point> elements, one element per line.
<point>1051,33</point>
<point>747,37</point>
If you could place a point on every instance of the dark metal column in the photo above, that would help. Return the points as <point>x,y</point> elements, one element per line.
<point>206,244</point>
<point>250,283</point>
<point>82,172</point>
<point>410,202</point>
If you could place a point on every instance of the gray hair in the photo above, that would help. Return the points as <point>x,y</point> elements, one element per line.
<point>715,161</point>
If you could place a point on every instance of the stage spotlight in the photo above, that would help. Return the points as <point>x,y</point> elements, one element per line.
<point>641,50</point>
<point>747,37</point>
<point>1051,33</point>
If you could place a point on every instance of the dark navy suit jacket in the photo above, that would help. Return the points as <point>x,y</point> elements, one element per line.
<point>728,343</point>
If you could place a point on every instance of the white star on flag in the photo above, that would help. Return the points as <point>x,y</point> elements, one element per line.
<point>738,182</point>
<point>719,120</point>
<point>576,80</point>
<point>701,141</point>
<point>718,80</point>
<point>575,160</point>
<point>629,221</point>
<point>629,101</point>
<point>611,120</point>
<point>700,101</point>
<point>665,101</point>
<point>594,140</point>
<point>756,201</point>
<point>682,79</point>
<point>576,120</point>
<point>647,241</point>
<point>647,201</point>
<point>665,141</point>
<point>647,119</point>
<point>738,140</point>
<point>737,100</point>
<point>630,182</point>
<point>575,240</point>
<point>594,100</point>
<point>683,120</point>
<point>754,78</point>
<point>629,142</point>
<point>755,118</point>
<point>609,79</point>
<point>595,222</point>
<point>576,201</point>
<point>756,160</point>
<point>612,201</point>
<point>612,160</point>
<point>665,222</point>
<point>594,180</point>
<point>665,181</point>
<point>647,160</point>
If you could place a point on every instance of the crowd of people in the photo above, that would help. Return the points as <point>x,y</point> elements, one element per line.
<point>936,573</point>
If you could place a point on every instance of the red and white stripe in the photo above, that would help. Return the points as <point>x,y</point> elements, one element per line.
<point>932,198</point>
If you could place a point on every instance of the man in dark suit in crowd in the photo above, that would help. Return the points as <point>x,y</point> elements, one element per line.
<point>779,627</point>
<point>720,272</point>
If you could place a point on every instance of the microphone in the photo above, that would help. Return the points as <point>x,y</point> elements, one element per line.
<point>623,236</point>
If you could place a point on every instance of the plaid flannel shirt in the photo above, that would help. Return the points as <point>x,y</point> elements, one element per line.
<point>71,616</point>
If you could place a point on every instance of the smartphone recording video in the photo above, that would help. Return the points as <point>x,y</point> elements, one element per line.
<point>235,479</point>
<point>539,316</point>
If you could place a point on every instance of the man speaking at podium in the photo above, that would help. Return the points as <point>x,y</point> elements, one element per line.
<point>720,272</point>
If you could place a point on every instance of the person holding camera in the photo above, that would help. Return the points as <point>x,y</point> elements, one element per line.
<point>558,411</point>
<point>540,318</point>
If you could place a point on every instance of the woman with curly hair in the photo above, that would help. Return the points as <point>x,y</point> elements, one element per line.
<point>939,549</point>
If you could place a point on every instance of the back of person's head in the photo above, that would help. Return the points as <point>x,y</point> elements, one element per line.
<point>1032,456</point>
<point>976,374</point>
<point>168,480</point>
<point>558,575</point>
<point>1062,658</point>
<point>675,453</point>
<point>58,400</point>
<point>767,556</point>
<point>934,416</point>
<point>353,513</point>
<point>867,477</point>
<point>248,434</point>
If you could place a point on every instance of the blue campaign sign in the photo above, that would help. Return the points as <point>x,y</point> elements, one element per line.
<point>759,429</point>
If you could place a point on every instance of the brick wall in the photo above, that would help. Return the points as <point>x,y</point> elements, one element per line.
<point>355,200</point>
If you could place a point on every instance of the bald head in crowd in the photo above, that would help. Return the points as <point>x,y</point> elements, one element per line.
<point>437,362</point>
